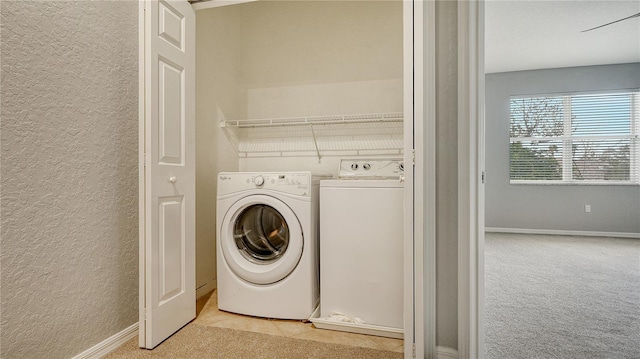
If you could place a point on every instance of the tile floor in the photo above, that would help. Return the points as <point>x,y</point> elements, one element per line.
<point>209,315</point>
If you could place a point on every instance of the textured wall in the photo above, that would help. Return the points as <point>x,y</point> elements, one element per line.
<point>69,175</point>
<point>559,207</point>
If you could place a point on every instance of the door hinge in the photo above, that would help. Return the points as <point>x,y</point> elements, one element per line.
<point>413,350</point>
<point>413,157</point>
<point>482,177</point>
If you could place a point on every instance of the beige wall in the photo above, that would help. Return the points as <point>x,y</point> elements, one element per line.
<point>321,42</point>
<point>69,180</point>
<point>218,36</point>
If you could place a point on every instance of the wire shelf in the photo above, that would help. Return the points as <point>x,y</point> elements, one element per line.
<point>318,134</point>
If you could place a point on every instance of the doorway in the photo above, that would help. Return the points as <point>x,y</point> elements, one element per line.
<point>541,227</point>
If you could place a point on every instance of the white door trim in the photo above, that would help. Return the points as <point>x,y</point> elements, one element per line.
<point>410,236</point>
<point>208,4</point>
<point>420,213</point>
<point>141,173</point>
<point>470,186</point>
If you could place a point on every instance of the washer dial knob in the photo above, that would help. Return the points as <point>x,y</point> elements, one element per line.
<point>259,181</point>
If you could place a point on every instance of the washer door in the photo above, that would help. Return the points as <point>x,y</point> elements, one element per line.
<point>261,239</point>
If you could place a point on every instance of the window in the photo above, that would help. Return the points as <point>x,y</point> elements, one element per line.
<point>579,138</point>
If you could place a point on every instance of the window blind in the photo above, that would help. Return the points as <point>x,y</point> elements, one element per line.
<point>579,138</point>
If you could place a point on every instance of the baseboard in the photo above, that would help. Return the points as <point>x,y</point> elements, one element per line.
<point>110,344</point>
<point>562,232</point>
<point>206,288</point>
<point>446,353</point>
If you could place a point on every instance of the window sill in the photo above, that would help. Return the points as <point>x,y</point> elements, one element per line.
<point>574,183</point>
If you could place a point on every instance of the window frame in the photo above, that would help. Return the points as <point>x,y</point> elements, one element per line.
<point>568,140</point>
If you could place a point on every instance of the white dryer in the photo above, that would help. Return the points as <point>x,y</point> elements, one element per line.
<point>267,249</point>
<point>361,247</point>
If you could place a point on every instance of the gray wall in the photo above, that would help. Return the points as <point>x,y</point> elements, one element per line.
<point>558,207</point>
<point>69,181</point>
<point>446,174</point>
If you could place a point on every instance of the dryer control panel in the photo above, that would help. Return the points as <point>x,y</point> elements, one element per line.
<point>297,183</point>
<point>371,168</point>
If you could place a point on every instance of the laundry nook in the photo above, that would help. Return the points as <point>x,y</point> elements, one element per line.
<point>299,146</point>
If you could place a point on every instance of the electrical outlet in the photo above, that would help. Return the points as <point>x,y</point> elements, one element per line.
<point>587,208</point>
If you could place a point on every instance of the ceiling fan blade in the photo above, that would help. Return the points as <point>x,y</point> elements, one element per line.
<point>613,22</point>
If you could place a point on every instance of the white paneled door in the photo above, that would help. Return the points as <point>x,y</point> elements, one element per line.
<point>167,285</point>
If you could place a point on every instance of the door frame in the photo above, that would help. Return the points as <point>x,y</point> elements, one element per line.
<point>420,210</point>
<point>141,175</point>
<point>471,174</point>
<point>420,195</point>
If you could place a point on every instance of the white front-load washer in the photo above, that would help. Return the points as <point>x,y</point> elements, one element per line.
<point>267,249</point>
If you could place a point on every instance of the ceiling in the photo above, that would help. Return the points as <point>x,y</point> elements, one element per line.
<point>527,35</point>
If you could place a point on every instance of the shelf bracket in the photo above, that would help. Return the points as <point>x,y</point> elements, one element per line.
<point>315,142</point>
<point>232,138</point>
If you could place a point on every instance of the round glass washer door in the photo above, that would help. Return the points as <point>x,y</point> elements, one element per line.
<point>261,239</point>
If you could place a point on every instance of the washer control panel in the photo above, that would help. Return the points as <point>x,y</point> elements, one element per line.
<point>371,168</point>
<point>288,182</point>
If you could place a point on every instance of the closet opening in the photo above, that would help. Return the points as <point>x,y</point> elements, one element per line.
<point>290,86</point>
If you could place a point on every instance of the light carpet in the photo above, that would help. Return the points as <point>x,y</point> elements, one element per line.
<point>197,341</point>
<point>561,297</point>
